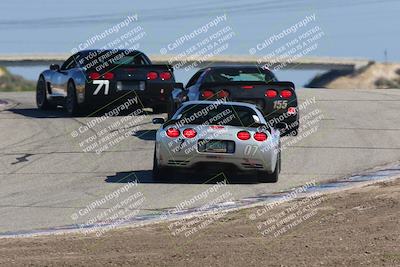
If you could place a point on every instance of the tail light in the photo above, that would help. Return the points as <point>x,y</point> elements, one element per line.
<point>173,132</point>
<point>243,135</point>
<point>94,75</point>
<point>286,93</point>
<point>247,87</point>
<point>165,75</point>
<point>260,136</point>
<point>189,133</point>
<point>207,94</point>
<point>223,94</point>
<point>152,75</point>
<point>271,93</point>
<point>108,76</point>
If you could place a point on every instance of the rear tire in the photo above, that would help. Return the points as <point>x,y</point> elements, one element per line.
<point>294,132</point>
<point>160,173</point>
<point>41,95</point>
<point>159,109</point>
<point>168,108</point>
<point>71,102</point>
<point>265,177</point>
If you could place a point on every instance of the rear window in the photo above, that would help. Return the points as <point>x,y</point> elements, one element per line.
<point>240,75</point>
<point>130,60</point>
<point>209,114</point>
<point>100,60</point>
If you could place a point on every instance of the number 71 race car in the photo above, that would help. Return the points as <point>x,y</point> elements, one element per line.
<point>217,135</point>
<point>98,78</point>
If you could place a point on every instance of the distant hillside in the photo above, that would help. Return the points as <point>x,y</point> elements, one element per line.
<point>373,76</point>
<point>10,82</point>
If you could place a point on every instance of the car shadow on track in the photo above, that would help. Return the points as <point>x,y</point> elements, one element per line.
<point>39,114</point>
<point>147,135</point>
<point>145,177</point>
<point>61,113</point>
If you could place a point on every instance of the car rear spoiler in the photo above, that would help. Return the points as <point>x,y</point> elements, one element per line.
<point>251,83</point>
<point>152,66</point>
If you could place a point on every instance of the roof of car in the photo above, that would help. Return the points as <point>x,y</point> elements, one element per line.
<point>107,50</point>
<point>235,67</point>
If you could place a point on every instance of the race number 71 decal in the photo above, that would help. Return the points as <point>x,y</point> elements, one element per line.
<point>100,84</point>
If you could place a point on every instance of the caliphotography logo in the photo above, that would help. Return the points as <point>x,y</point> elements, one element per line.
<point>199,133</point>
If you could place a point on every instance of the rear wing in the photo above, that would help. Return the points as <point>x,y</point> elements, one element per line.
<point>145,67</point>
<point>236,84</point>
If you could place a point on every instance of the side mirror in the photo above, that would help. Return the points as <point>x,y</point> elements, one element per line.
<point>55,67</point>
<point>158,121</point>
<point>179,86</point>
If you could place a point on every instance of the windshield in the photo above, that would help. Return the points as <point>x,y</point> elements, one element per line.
<point>212,114</point>
<point>240,75</point>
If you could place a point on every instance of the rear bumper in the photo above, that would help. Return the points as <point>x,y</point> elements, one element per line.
<point>292,121</point>
<point>273,116</point>
<point>261,159</point>
<point>154,94</point>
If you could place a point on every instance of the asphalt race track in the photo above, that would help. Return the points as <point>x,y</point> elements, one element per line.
<point>46,178</point>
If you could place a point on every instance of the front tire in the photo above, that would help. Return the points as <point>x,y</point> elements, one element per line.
<point>71,102</point>
<point>160,173</point>
<point>159,109</point>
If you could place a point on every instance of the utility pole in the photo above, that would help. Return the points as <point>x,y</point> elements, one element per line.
<point>386,55</point>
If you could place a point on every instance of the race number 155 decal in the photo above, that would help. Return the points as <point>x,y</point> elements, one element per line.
<point>280,104</point>
<point>100,84</point>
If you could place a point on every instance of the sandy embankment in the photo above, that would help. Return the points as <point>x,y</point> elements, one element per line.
<point>351,228</point>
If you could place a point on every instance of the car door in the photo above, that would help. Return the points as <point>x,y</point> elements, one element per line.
<point>60,78</point>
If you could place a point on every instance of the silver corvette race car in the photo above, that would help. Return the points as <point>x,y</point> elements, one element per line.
<point>218,136</point>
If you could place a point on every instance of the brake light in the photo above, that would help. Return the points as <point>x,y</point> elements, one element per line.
<point>189,133</point>
<point>207,94</point>
<point>94,75</point>
<point>173,132</point>
<point>260,136</point>
<point>247,87</point>
<point>243,135</point>
<point>108,76</point>
<point>165,75</point>
<point>223,94</point>
<point>286,93</point>
<point>152,75</point>
<point>271,93</point>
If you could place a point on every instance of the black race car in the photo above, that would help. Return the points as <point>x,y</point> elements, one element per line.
<point>251,84</point>
<point>99,78</point>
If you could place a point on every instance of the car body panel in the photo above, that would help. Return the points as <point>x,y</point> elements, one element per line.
<point>271,107</point>
<point>98,92</point>
<point>248,155</point>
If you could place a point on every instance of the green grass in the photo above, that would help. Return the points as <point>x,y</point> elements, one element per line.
<point>14,83</point>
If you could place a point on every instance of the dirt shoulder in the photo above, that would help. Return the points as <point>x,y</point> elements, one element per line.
<point>373,76</point>
<point>351,228</point>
